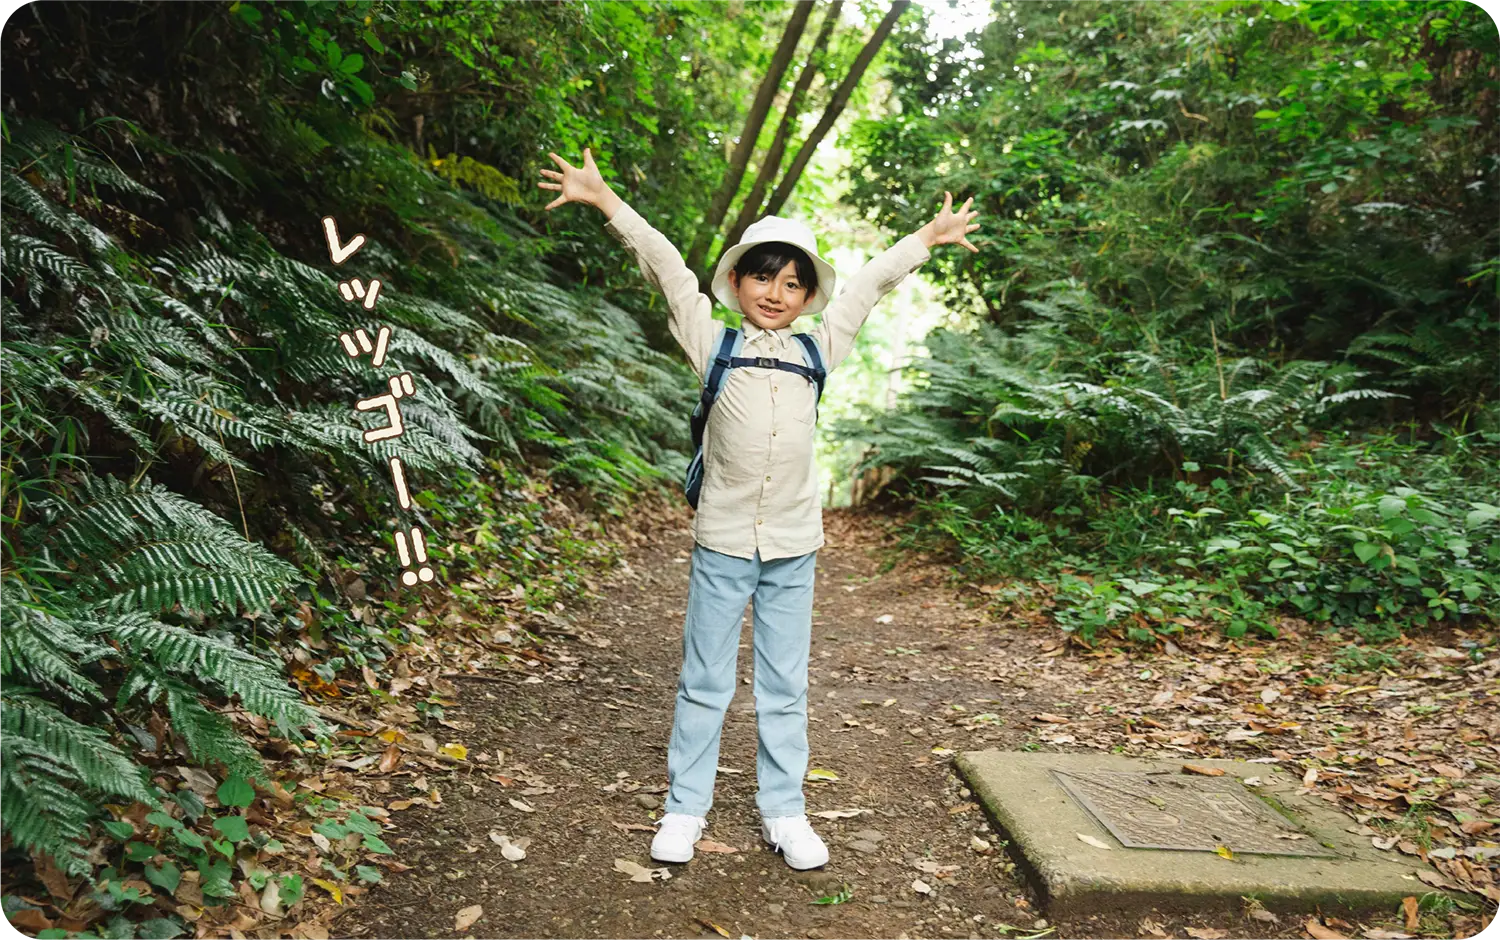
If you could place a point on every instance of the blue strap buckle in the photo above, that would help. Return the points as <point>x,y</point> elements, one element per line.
<point>764,362</point>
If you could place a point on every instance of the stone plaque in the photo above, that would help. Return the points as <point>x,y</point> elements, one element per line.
<point>1186,813</point>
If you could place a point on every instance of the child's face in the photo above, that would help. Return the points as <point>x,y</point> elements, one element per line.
<point>771,302</point>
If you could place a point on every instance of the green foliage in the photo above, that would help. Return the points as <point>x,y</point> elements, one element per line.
<point>1223,251</point>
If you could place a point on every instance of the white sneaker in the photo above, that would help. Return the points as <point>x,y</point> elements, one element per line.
<point>676,834</point>
<point>794,838</point>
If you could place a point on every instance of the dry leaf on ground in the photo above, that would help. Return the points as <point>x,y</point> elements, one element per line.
<point>1096,843</point>
<point>1205,771</point>
<point>466,917</point>
<point>1318,932</point>
<point>639,872</point>
<point>708,845</point>
<point>1409,904</point>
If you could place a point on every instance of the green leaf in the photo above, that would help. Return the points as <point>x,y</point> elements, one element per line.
<point>373,41</point>
<point>291,889</point>
<point>192,804</point>
<point>1391,506</point>
<point>247,13</point>
<point>190,839</point>
<point>160,928</point>
<point>234,828</point>
<point>165,876</point>
<point>1364,551</point>
<point>119,829</point>
<point>304,63</point>
<point>376,844</point>
<point>352,63</point>
<point>368,874</point>
<point>358,823</point>
<point>236,791</point>
<point>139,851</point>
<point>158,818</point>
<point>332,829</point>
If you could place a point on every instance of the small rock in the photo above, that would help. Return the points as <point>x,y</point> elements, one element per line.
<point>870,835</point>
<point>963,792</point>
<point>900,903</point>
<point>1041,923</point>
<point>647,801</point>
<point>775,908</point>
<point>863,847</point>
<point>978,845</point>
<point>877,899</point>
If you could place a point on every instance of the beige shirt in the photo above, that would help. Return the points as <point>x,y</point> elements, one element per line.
<point>760,479</point>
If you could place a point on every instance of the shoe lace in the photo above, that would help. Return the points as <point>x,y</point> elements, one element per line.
<point>791,829</point>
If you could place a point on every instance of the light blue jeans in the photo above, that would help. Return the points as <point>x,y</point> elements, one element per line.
<point>720,586</point>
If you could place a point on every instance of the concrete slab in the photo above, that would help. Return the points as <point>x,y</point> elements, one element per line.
<point>1042,803</point>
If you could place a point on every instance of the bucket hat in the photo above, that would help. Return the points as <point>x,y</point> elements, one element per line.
<point>774,229</point>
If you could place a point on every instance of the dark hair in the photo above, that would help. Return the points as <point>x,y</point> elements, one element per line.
<point>770,257</point>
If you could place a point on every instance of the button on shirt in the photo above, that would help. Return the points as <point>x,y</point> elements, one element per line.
<point>760,480</point>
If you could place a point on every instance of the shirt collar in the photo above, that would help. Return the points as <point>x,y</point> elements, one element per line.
<point>753,332</point>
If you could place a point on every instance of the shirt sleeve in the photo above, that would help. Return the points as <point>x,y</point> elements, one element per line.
<point>689,310</point>
<point>846,313</point>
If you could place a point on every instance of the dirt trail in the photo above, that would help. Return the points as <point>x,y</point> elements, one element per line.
<point>900,670</point>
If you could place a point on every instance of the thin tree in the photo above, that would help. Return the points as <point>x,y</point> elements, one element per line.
<point>759,108</point>
<point>835,107</point>
<point>771,164</point>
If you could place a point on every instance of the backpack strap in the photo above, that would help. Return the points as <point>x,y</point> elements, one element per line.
<point>730,341</point>
<point>814,360</point>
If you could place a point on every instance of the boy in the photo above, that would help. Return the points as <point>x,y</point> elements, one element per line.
<point>759,521</point>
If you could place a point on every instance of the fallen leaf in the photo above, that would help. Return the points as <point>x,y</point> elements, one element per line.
<point>1051,719</point>
<point>632,827</point>
<point>884,618</point>
<point>1096,843</point>
<point>513,851</point>
<point>708,845</point>
<point>523,806</point>
<point>714,927</point>
<point>29,919</point>
<point>817,773</point>
<point>1318,932</point>
<point>454,750</point>
<point>1205,771</point>
<point>1264,916</point>
<point>390,759</point>
<point>639,872</point>
<point>1375,933</point>
<point>1205,933</point>
<point>838,813</point>
<point>1311,777</point>
<point>331,888</point>
<point>465,918</point>
<point>1409,904</point>
<point>1223,852</point>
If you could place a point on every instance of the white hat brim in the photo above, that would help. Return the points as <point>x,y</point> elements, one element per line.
<point>727,296</point>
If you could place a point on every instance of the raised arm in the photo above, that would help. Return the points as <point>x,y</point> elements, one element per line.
<point>847,312</point>
<point>689,311</point>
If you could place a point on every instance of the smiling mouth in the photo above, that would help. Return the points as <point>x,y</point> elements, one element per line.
<point>774,313</point>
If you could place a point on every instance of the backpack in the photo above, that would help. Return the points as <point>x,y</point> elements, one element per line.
<point>730,342</point>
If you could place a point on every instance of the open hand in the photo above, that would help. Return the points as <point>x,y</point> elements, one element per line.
<point>952,228</point>
<point>578,184</point>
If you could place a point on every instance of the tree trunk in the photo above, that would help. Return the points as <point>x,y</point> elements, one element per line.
<point>759,108</point>
<point>772,162</point>
<point>835,107</point>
